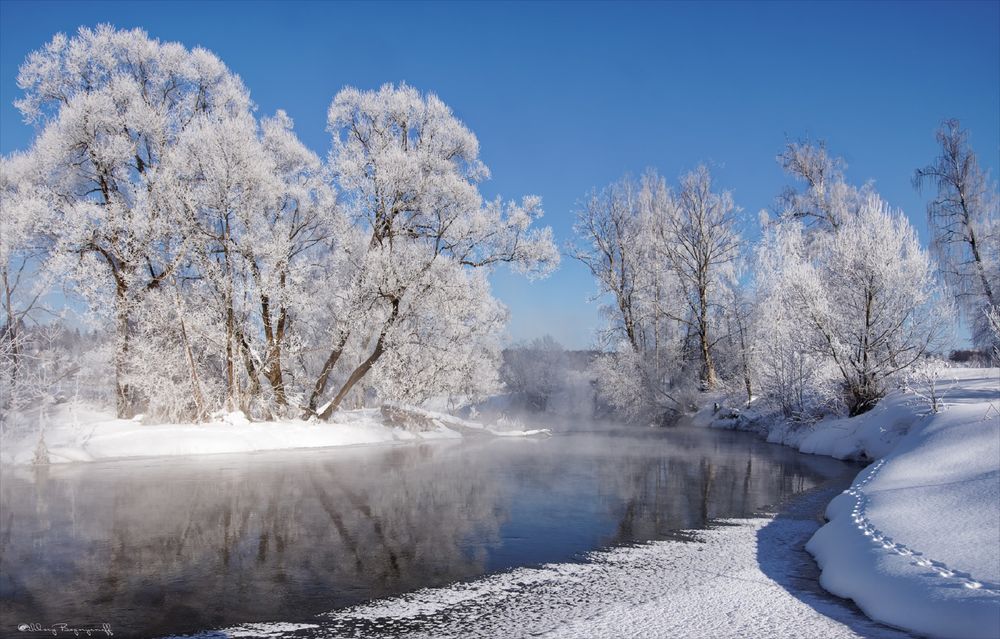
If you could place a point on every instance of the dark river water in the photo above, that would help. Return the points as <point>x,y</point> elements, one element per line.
<point>166,546</point>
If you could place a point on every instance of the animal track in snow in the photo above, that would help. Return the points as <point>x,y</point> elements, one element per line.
<point>867,528</point>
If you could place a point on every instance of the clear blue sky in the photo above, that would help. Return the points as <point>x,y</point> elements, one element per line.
<point>566,97</point>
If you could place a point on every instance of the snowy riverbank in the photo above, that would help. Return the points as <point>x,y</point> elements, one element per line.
<point>914,540</point>
<point>77,433</point>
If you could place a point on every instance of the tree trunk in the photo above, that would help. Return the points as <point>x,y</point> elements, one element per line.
<point>230,358</point>
<point>324,376</point>
<point>12,329</point>
<point>274,376</point>
<point>366,365</point>
<point>748,384</point>
<point>977,258</point>
<point>274,335</point>
<point>708,366</point>
<point>198,396</point>
<point>741,330</point>
<point>252,376</point>
<point>124,401</point>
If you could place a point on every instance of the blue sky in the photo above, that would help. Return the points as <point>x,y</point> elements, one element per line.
<point>565,97</point>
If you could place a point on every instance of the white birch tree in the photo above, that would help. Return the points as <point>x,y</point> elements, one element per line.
<point>964,218</point>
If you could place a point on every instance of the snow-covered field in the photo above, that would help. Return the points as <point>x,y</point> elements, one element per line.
<point>76,433</point>
<point>915,542</point>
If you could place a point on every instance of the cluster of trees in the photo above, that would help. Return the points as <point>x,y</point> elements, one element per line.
<point>666,260</point>
<point>233,267</point>
<point>834,304</point>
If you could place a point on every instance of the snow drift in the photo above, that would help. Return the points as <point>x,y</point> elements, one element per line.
<point>914,541</point>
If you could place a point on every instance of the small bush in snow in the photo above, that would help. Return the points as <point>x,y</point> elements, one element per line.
<point>930,380</point>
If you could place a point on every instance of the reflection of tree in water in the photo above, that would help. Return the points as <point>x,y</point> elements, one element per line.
<point>655,489</point>
<point>194,546</point>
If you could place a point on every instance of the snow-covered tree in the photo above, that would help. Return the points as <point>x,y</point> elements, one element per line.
<point>964,218</point>
<point>615,229</point>
<point>23,246</point>
<point>827,201</point>
<point>446,342</point>
<point>864,298</point>
<point>741,328</point>
<point>929,379</point>
<point>611,230</point>
<point>408,172</point>
<point>699,240</point>
<point>111,105</point>
<point>665,261</point>
<point>790,373</point>
<point>264,232</point>
<point>535,371</point>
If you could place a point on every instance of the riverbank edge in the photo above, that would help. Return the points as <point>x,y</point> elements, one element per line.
<point>895,426</point>
<point>79,433</point>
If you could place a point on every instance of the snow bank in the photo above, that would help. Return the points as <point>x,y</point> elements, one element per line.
<point>77,433</point>
<point>914,542</point>
<point>869,436</point>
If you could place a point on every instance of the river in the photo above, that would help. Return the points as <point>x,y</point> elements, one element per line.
<point>168,546</point>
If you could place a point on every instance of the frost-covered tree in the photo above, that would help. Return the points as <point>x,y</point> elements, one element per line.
<point>929,381</point>
<point>964,218</point>
<point>111,105</point>
<point>616,231</point>
<point>862,298</point>
<point>224,184</point>
<point>408,172</point>
<point>611,231</point>
<point>699,240</point>
<point>236,268</point>
<point>827,201</point>
<point>446,342</point>
<point>23,246</point>
<point>846,299</point>
<point>264,232</point>
<point>741,328</point>
<point>791,374</point>
<point>665,261</point>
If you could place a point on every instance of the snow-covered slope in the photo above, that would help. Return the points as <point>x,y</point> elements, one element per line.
<point>916,540</point>
<point>869,436</point>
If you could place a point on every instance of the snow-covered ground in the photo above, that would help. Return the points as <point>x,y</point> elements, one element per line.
<point>74,432</point>
<point>915,542</point>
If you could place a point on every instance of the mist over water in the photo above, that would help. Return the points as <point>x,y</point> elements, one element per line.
<point>168,546</point>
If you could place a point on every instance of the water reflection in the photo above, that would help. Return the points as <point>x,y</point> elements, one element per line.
<point>171,546</point>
